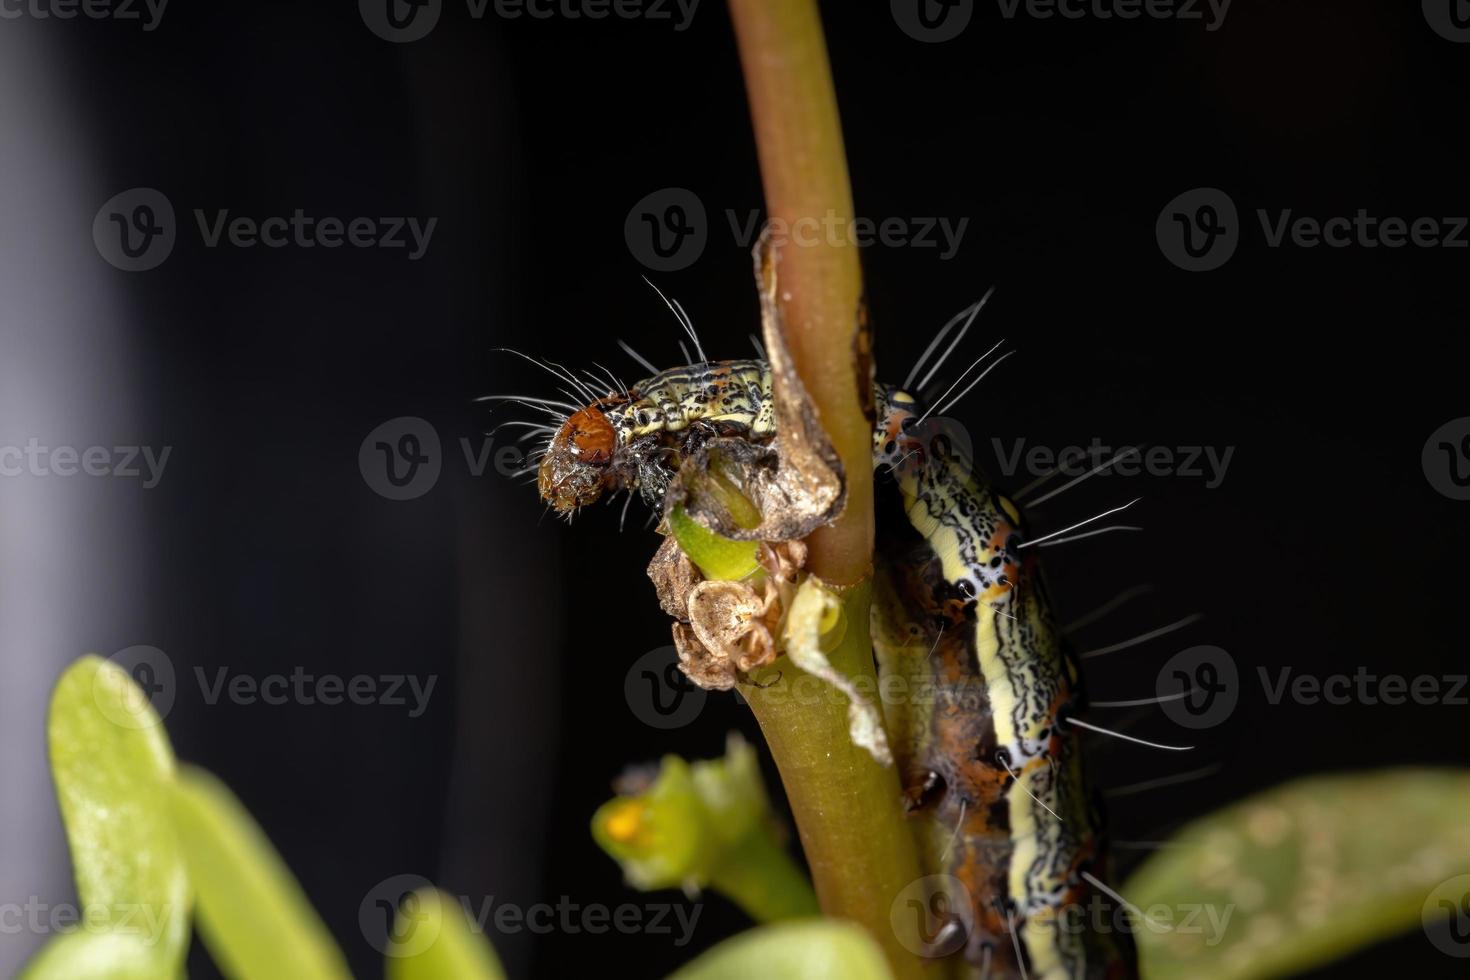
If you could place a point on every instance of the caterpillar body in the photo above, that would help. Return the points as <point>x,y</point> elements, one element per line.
<point>990,768</point>
<point>991,772</point>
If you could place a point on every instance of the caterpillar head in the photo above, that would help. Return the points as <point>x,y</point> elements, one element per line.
<point>578,463</point>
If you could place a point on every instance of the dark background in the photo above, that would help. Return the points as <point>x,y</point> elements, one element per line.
<point>1325,547</point>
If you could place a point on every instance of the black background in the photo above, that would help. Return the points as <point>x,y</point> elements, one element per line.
<point>1326,369</point>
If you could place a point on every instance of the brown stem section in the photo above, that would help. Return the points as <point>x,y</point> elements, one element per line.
<point>804,171</point>
<point>847,806</point>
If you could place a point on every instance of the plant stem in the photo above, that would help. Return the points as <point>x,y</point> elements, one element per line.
<point>846,805</point>
<point>804,171</point>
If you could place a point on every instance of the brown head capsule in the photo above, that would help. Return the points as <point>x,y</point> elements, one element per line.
<point>576,469</point>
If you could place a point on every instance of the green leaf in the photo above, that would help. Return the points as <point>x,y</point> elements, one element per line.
<point>802,950</point>
<point>113,769</point>
<point>719,558</point>
<point>433,940</point>
<point>252,914</point>
<point>1302,874</point>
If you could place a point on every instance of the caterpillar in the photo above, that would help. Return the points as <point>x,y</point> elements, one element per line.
<point>991,769</point>
<point>991,762</point>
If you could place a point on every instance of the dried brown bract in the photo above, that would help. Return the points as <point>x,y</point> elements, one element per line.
<point>795,483</point>
<point>725,629</point>
<point>674,577</point>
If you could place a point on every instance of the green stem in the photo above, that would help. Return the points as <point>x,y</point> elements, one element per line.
<point>760,877</point>
<point>846,805</point>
